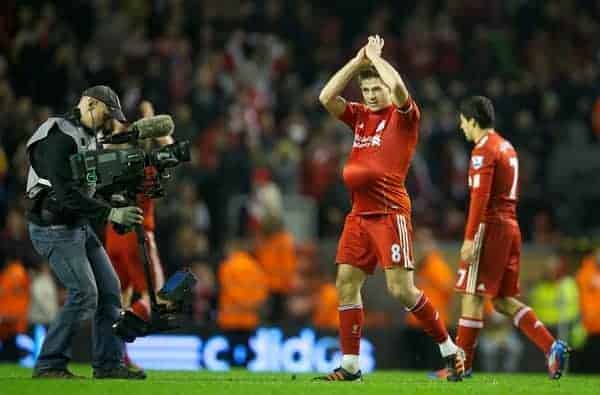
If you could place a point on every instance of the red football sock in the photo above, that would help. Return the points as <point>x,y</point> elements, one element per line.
<point>526,320</point>
<point>141,309</point>
<point>429,318</point>
<point>466,337</point>
<point>351,321</point>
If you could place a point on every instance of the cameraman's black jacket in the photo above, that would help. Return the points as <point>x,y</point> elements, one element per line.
<point>65,201</point>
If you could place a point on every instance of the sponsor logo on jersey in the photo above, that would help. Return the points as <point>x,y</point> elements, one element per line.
<point>477,162</point>
<point>380,126</point>
<point>366,141</point>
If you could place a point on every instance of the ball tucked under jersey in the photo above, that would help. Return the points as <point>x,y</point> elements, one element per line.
<point>384,144</point>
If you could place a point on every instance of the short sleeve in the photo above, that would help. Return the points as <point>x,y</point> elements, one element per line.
<point>483,160</point>
<point>481,177</point>
<point>350,114</point>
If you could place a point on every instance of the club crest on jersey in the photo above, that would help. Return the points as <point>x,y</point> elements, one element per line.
<point>477,162</point>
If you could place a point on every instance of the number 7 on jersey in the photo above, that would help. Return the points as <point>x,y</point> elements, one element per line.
<point>514,163</point>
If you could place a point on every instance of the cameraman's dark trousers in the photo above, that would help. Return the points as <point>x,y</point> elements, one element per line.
<point>79,261</point>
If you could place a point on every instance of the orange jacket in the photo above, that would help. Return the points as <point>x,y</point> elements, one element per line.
<point>277,255</point>
<point>243,291</point>
<point>588,279</point>
<point>14,299</point>
<point>325,314</point>
<point>434,277</point>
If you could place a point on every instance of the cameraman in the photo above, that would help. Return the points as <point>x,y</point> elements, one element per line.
<point>59,225</point>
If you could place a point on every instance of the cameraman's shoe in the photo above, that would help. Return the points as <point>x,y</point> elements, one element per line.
<point>130,364</point>
<point>55,374</point>
<point>119,372</point>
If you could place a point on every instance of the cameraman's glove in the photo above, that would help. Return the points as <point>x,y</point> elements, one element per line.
<point>126,216</point>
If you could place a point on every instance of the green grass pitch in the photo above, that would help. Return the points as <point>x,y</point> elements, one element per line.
<point>16,380</point>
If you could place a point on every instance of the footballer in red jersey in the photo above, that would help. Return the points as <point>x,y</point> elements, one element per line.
<point>490,255</point>
<point>124,252</point>
<point>378,229</point>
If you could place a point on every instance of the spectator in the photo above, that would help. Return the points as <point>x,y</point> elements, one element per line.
<point>14,241</point>
<point>555,298</point>
<point>588,279</point>
<point>325,314</point>
<point>301,301</point>
<point>276,254</point>
<point>500,346</point>
<point>243,292</point>
<point>266,202</point>
<point>14,305</point>
<point>44,296</point>
<point>205,291</point>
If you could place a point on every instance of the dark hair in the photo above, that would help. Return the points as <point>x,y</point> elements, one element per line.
<point>366,73</point>
<point>480,109</point>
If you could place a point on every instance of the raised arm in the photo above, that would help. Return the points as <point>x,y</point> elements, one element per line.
<point>386,71</point>
<point>330,94</point>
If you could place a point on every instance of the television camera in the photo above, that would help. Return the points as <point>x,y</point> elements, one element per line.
<point>120,174</point>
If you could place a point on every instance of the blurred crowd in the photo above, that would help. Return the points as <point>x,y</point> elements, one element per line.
<point>241,78</point>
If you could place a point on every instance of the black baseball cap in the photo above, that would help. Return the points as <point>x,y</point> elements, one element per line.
<point>108,97</point>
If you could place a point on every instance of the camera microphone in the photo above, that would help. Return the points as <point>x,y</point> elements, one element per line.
<point>145,128</point>
<point>153,127</point>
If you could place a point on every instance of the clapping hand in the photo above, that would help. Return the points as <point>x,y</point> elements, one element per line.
<point>374,47</point>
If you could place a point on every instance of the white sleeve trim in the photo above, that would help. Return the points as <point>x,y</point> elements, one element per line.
<point>409,109</point>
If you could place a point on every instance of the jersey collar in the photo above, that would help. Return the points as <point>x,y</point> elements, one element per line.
<point>484,139</point>
<point>382,110</point>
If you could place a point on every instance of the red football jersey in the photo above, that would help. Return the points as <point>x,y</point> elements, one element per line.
<point>147,206</point>
<point>384,144</point>
<point>493,180</point>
